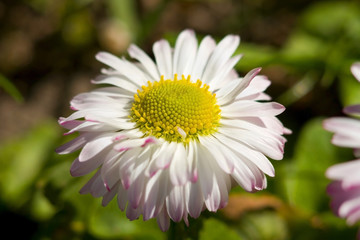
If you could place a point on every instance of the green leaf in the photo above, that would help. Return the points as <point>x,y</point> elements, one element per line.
<point>110,222</point>
<point>303,49</point>
<point>7,85</point>
<point>58,175</point>
<point>299,90</point>
<point>40,208</point>
<point>349,89</point>
<point>265,225</point>
<point>255,56</point>
<point>22,160</point>
<point>331,19</point>
<point>305,181</point>
<point>83,204</point>
<point>214,229</point>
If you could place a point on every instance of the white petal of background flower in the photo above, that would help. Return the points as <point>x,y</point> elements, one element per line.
<point>345,188</point>
<point>355,69</point>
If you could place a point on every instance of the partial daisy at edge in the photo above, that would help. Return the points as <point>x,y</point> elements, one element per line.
<point>344,189</point>
<point>169,138</point>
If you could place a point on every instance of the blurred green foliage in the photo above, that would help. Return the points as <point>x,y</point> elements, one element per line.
<point>322,47</point>
<point>214,229</point>
<point>36,189</point>
<point>305,176</point>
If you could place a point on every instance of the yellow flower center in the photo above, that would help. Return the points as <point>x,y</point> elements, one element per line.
<point>177,110</point>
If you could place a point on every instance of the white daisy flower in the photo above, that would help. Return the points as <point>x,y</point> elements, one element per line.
<point>345,188</point>
<point>170,138</point>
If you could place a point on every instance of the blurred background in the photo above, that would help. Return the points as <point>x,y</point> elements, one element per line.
<point>47,53</point>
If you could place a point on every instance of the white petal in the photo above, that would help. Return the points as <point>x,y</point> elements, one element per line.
<point>120,123</point>
<point>87,187</point>
<point>206,47</point>
<point>78,168</point>
<point>90,126</point>
<point>257,128</point>
<point>127,164</point>
<point>69,124</point>
<point>118,81</point>
<point>257,86</point>
<point>185,218</point>
<point>355,69</point>
<point>179,170</point>
<point>125,68</point>
<point>214,147</point>
<point>349,206</point>
<point>122,197</point>
<point>248,108</point>
<point>152,168</point>
<point>353,217</point>
<point>113,92</point>
<point>175,203</point>
<point>275,125</point>
<point>224,183</point>
<point>110,169</point>
<point>166,155</point>
<point>342,170</point>
<point>137,182</point>
<point>347,131</point>
<point>163,56</point>
<point>262,143</point>
<point>346,140</point>
<point>207,180</point>
<point>217,80</point>
<point>96,98</point>
<point>133,143</point>
<point>248,155</point>
<point>109,60</point>
<point>132,213</point>
<point>105,104</point>
<point>92,148</point>
<point>76,143</point>
<point>243,176</point>
<point>95,186</point>
<point>352,110</point>
<point>163,220</point>
<point>343,125</point>
<point>357,153</point>
<point>220,56</point>
<point>228,93</point>
<point>192,161</point>
<point>194,199</point>
<point>184,53</point>
<point>93,114</point>
<point>155,193</point>
<point>127,134</point>
<point>145,60</point>
<point>351,181</point>
<point>109,195</point>
<point>230,77</point>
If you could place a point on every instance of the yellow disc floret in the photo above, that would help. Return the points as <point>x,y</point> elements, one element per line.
<point>177,110</point>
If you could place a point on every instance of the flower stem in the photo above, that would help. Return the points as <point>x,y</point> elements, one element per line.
<point>179,231</point>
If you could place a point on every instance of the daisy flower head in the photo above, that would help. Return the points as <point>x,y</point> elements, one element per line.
<point>345,188</point>
<point>170,137</point>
